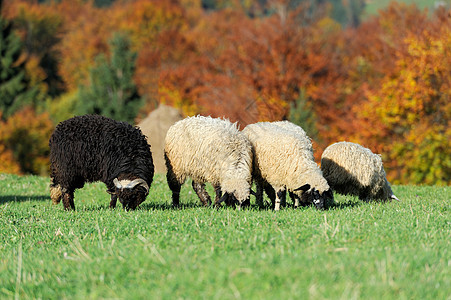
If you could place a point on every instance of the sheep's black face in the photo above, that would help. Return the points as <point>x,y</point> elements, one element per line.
<point>324,200</point>
<point>318,201</point>
<point>230,200</point>
<point>243,204</point>
<point>131,198</point>
<point>321,201</point>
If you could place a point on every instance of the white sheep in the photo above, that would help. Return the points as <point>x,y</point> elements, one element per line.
<point>302,135</point>
<point>308,146</point>
<point>351,169</point>
<point>209,150</point>
<point>285,162</point>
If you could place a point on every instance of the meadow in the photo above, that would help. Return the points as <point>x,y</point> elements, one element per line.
<point>356,250</point>
<point>372,7</point>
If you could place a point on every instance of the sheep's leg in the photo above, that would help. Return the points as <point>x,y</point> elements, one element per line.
<point>175,188</point>
<point>295,199</point>
<point>56,194</point>
<point>173,183</point>
<point>280,197</point>
<point>283,200</point>
<point>199,188</point>
<point>68,200</point>
<point>259,194</point>
<point>113,201</point>
<point>218,193</point>
<point>271,193</point>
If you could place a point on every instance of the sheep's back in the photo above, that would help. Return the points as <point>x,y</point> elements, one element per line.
<point>279,156</point>
<point>205,148</point>
<point>95,148</point>
<point>345,160</point>
<point>306,142</point>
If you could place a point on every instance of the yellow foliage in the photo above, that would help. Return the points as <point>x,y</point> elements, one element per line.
<point>62,108</point>
<point>413,110</point>
<point>24,136</point>
<point>271,108</point>
<point>174,98</point>
<point>7,162</point>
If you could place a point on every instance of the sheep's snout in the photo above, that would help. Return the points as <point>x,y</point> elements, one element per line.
<point>230,199</point>
<point>318,201</point>
<point>322,201</point>
<point>130,198</point>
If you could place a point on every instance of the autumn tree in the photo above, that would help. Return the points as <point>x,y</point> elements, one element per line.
<point>24,142</point>
<point>302,113</point>
<point>111,91</point>
<point>87,31</point>
<point>40,29</point>
<point>411,112</point>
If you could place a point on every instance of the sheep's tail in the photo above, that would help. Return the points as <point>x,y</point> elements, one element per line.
<point>56,193</point>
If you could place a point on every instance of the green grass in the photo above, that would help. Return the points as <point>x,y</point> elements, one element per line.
<point>356,250</point>
<point>372,7</point>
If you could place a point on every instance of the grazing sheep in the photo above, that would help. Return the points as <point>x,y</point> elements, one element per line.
<point>208,150</point>
<point>94,148</point>
<point>284,161</point>
<point>351,169</point>
<point>307,143</point>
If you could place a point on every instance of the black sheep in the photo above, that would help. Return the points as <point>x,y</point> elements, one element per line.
<point>95,148</point>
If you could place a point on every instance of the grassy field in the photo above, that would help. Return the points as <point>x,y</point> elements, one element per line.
<point>355,250</point>
<point>373,6</point>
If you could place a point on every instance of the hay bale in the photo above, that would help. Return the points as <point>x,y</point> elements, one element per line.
<point>155,126</point>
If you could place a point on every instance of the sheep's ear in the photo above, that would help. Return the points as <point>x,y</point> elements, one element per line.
<point>303,188</point>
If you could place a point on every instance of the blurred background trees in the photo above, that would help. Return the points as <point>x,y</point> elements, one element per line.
<point>341,69</point>
<point>111,91</point>
<point>15,88</point>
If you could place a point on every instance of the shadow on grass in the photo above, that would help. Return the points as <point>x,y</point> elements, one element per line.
<point>15,198</point>
<point>343,205</point>
<point>144,207</point>
<point>149,206</point>
<point>168,206</point>
<point>254,207</point>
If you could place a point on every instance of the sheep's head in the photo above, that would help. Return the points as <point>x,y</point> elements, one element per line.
<point>236,190</point>
<point>230,199</point>
<point>131,193</point>
<point>321,200</point>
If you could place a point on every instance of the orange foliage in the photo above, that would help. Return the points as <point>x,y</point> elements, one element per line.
<point>408,118</point>
<point>256,67</point>
<point>7,162</point>
<point>24,142</point>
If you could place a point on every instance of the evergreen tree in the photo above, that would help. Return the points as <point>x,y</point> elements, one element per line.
<point>15,91</point>
<point>348,13</point>
<point>302,114</point>
<point>111,91</point>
